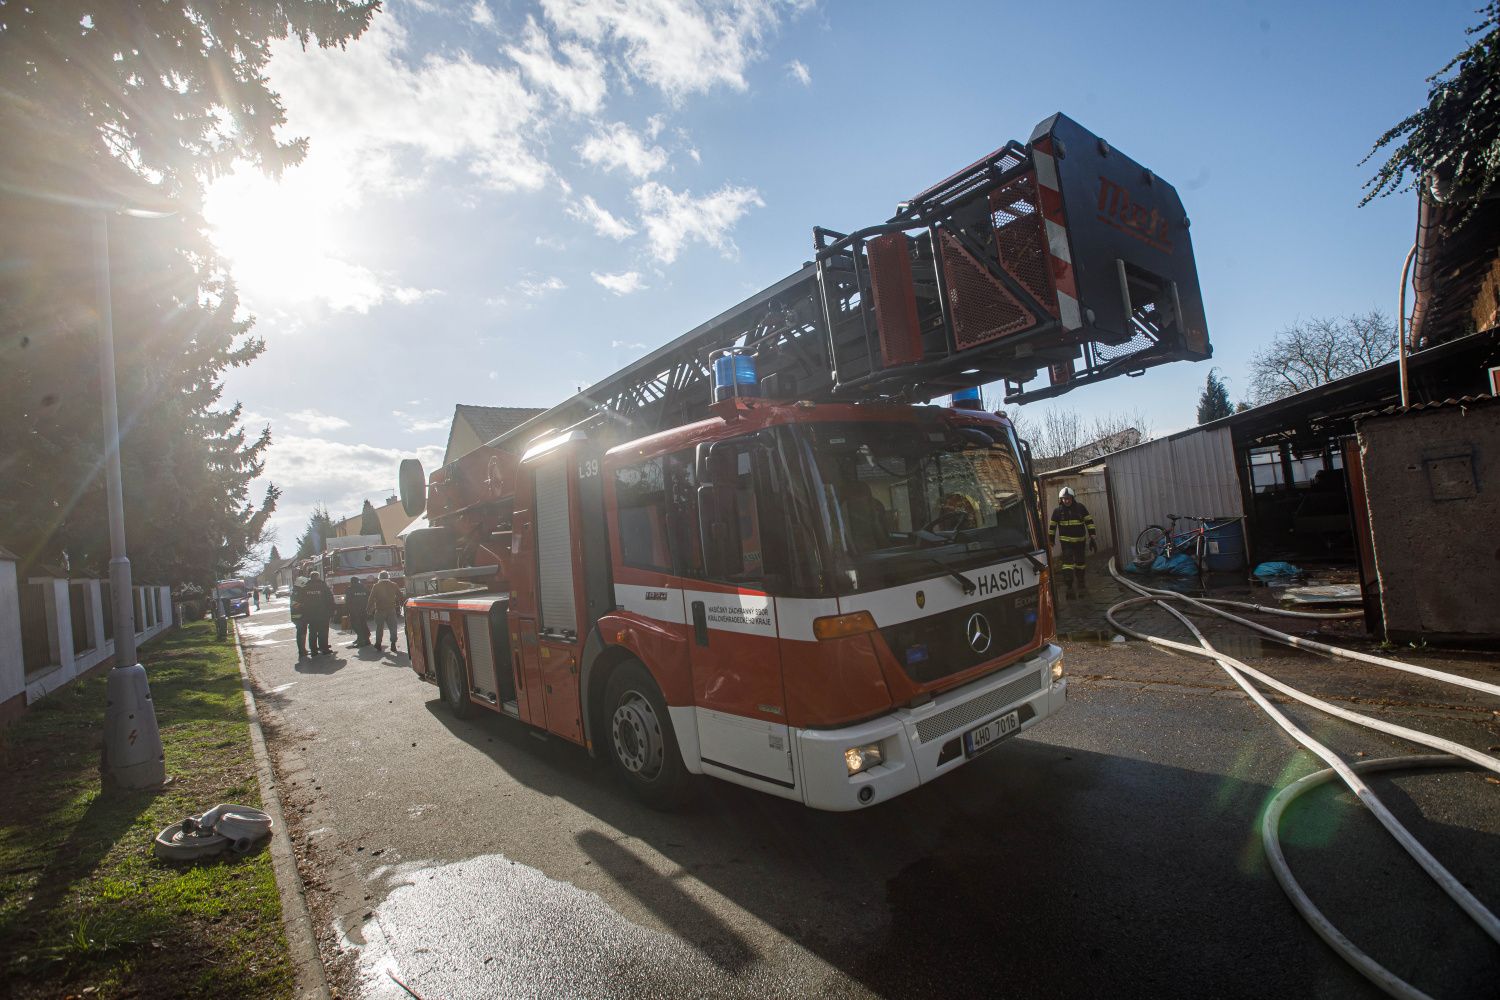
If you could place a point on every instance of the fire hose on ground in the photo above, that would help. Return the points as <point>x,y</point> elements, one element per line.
<point>1454,755</point>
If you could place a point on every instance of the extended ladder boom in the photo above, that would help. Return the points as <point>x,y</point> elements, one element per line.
<point>1061,255</point>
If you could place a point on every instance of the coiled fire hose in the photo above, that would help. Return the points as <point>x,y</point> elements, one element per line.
<point>227,825</point>
<point>1456,755</point>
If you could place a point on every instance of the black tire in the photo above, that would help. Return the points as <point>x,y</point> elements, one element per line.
<point>453,678</point>
<point>1148,545</point>
<point>640,740</point>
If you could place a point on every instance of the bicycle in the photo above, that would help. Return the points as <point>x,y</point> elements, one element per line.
<point>1157,541</point>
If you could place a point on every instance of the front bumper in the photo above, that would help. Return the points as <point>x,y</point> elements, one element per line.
<point>913,740</point>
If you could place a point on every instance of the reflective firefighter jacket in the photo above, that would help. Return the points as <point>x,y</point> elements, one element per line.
<point>1075,525</point>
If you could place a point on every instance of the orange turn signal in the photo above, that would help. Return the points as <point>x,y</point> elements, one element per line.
<point>840,626</point>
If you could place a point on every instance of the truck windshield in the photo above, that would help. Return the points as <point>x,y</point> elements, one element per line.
<point>897,502</point>
<point>365,558</point>
<point>232,593</point>
<point>818,509</point>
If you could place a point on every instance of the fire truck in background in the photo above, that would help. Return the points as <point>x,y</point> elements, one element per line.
<point>757,553</point>
<point>364,556</point>
<point>233,597</point>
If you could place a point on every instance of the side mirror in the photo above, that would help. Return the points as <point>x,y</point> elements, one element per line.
<point>413,483</point>
<point>974,435</point>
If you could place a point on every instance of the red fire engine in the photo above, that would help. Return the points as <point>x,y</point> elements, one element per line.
<point>343,562</point>
<point>755,554</point>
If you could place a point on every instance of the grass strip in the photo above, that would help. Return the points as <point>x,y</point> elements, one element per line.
<point>86,910</point>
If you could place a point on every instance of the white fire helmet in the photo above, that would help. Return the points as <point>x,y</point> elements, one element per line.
<point>1066,491</point>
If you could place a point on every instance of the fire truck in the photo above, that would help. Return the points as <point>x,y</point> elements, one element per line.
<point>233,597</point>
<point>760,553</point>
<point>364,556</point>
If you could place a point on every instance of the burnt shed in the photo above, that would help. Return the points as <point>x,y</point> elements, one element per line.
<point>1432,475</point>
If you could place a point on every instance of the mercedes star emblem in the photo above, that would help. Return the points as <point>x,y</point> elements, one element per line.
<point>978,631</point>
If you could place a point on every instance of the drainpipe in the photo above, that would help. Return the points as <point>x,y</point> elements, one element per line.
<point>1429,207</point>
<point>1401,328</point>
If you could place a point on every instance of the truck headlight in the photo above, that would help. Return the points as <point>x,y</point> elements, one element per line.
<point>862,758</point>
<point>1057,670</point>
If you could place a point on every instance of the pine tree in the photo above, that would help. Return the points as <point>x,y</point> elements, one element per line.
<point>143,103</point>
<point>369,521</point>
<point>319,530</point>
<point>1214,402</point>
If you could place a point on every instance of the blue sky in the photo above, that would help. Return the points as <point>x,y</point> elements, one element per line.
<point>503,201</point>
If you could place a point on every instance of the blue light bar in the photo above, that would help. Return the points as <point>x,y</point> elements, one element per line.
<point>734,375</point>
<point>968,399</point>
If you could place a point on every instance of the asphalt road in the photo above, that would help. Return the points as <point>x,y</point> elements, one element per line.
<point>1111,851</point>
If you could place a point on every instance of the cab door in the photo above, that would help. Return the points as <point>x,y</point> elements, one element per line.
<point>735,652</point>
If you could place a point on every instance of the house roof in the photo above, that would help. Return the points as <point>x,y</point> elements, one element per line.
<point>1465,402</point>
<point>489,422</point>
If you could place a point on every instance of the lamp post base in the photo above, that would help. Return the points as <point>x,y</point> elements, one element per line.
<point>133,755</point>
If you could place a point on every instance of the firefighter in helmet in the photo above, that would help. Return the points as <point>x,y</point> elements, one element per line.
<point>1072,525</point>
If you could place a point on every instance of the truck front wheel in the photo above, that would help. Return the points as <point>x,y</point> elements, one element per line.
<point>453,678</point>
<point>640,738</point>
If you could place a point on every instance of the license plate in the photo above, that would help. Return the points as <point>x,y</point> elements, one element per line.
<point>977,741</point>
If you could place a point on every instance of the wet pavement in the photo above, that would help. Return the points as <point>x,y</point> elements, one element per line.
<point>1111,850</point>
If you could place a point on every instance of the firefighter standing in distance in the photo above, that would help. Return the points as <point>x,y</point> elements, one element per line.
<point>1072,525</point>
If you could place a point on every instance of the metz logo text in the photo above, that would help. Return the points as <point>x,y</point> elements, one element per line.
<point>1117,209</point>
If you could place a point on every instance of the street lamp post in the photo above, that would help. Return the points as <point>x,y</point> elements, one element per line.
<point>133,753</point>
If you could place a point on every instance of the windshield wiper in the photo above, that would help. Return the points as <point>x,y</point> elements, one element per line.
<point>1036,563</point>
<point>968,584</point>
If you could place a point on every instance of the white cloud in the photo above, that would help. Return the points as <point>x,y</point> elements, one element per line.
<point>481,14</point>
<point>379,124</point>
<point>312,470</point>
<point>621,343</point>
<point>600,218</point>
<point>673,219</point>
<point>406,296</point>
<point>620,284</point>
<point>317,421</point>
<point>797,70</point>
<point>679,46</point>
<point>618,145</point>
<point>551,242</point>
<point>578,83</point>
<point>533,289</point>
<point>416,425</point>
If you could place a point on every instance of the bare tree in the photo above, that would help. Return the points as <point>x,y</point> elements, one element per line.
<point>1308,354</point>
<point>1056,431</point>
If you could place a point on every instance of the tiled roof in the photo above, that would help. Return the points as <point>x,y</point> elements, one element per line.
<point>489,422</point>
<point>1393,410</point>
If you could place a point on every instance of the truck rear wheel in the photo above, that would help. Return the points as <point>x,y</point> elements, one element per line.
<point>453,678</point>
<point>640,738</point>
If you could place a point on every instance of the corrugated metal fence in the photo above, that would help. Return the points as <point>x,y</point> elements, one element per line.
<point>1191,473</point>
<point>1090,488</point>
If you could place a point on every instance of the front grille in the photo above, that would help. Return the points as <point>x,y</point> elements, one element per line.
<point>961,715</point>
<point>937,646</point>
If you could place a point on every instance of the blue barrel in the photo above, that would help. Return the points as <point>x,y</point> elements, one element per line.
<point>1226,546</point>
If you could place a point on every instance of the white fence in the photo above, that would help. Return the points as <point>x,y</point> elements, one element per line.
<point>52,630</point>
